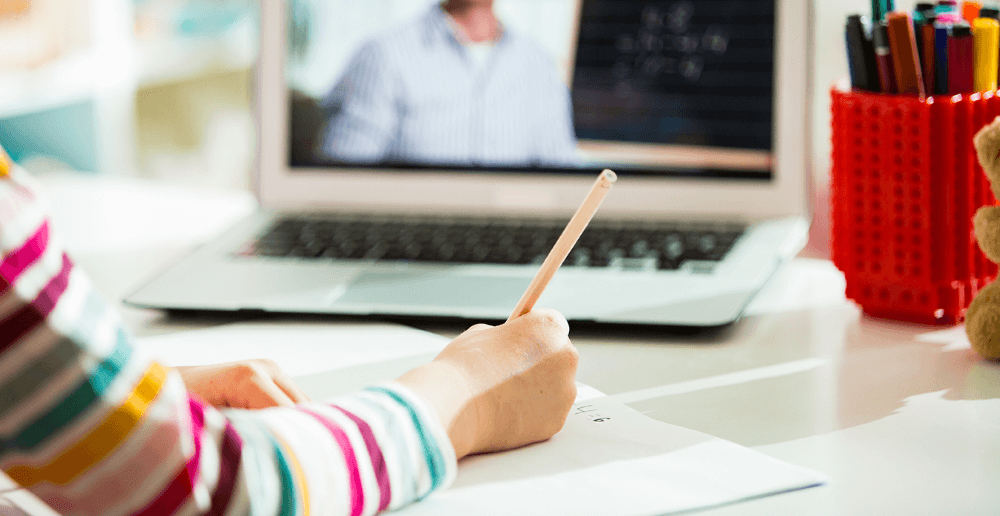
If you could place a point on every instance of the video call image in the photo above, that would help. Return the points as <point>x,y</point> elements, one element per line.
<point>680,87</point>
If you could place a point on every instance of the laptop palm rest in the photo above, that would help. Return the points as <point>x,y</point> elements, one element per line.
<point>434,289</point>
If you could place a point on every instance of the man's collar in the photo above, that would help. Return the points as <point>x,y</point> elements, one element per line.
<point>442,24</point>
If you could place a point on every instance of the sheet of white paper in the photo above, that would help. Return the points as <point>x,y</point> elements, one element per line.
<point>610,459</point>
<point>298,348</point>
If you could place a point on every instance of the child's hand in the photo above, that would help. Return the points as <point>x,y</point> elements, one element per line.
<point>249,384</point>
<point>497,388</point>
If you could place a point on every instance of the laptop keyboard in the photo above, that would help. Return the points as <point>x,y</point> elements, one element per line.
<point>632,245</point>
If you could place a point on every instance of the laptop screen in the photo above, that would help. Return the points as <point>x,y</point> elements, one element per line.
<point>669,88</point>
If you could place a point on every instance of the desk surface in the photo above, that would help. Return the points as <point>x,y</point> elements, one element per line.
<point>905,419</point>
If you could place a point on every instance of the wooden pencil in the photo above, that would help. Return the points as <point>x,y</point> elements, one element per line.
<point>565,243</point>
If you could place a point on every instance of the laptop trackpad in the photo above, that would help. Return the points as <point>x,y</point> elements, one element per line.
<point>434,289</point>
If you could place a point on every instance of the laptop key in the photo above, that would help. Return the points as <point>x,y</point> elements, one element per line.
<point>618,245</point>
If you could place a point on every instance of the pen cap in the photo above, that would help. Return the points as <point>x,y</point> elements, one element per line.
<point>948,18</point>
<point>970,11</point>
<point>923,6</point>
<point>961,30</point>
<point>880,36</point>
<point>990,12</point>
<point>947,6</point>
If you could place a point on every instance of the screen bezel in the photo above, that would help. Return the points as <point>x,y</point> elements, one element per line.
<point>279,186</point>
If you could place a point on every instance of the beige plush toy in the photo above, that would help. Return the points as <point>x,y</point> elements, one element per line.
<point>982,322</point>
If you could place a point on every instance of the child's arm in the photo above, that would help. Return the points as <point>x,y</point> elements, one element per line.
<point>94,426</point>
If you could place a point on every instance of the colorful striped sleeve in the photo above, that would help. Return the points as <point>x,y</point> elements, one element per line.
<point>92,425</point>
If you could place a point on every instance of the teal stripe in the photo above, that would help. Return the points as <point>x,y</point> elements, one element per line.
<point>71,407</point>
<point>288,499</point>
<point>432,454</point>
<point>34,376</point>
<point>37,373</point>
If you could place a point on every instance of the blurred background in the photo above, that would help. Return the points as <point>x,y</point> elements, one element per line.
<point>162,89</point>
<point>150,88</point>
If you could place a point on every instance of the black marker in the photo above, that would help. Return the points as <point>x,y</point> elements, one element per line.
<point>861,54</point>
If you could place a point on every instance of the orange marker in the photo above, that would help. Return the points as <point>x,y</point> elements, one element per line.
<point>970,11</point>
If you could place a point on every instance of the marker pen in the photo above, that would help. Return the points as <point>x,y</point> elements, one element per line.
<point>883,58</point>
<point>992,13</point>
<point>861,54</point>
<point>941,31</point>
<point>961,48</point>
<point>919,20</point>
<point>926,39</point>
<point>986,34</point>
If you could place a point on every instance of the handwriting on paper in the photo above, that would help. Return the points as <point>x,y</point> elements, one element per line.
<point>590,412</point>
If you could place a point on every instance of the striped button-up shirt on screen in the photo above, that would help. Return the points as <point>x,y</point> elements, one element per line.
<point>417,95</point>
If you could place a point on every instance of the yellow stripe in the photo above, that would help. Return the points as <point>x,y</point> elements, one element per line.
<point>299,474</point>
<point>88,451</point>
<point>4,165</point>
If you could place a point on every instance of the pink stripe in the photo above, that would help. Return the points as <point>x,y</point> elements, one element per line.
<point>26,318</point>
<point>357,494</point>
<point>378,461</point>
<point>16,262</point>
<point>181,487</point>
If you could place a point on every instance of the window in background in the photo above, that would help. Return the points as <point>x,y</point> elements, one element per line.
<point>63,73</point>
<point>155,88</point>
<point>192,103</point>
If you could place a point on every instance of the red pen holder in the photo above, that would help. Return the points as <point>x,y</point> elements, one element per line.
<point>905,184</point>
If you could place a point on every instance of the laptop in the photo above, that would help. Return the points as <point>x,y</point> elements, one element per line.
<point>418,159</point>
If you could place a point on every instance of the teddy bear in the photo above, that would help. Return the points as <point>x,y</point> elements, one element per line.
<point>982,321</point>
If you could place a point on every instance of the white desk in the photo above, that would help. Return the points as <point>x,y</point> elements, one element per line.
<point>904,418</point>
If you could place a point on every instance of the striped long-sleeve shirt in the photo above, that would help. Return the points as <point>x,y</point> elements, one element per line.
<point>416,95</point>
<point>93,425</point>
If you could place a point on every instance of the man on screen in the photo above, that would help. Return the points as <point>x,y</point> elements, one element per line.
<point>453,87</point>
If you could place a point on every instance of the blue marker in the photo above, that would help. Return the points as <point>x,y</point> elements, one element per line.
<point>941,31</point>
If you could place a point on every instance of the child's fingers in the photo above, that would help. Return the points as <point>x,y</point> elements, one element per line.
<point>287,385</point>
<point>263,392</point>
